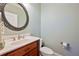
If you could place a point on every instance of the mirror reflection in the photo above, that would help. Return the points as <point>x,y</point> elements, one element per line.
<point>15,15</point>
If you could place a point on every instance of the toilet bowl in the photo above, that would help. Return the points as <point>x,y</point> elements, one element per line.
<point>45,51</point>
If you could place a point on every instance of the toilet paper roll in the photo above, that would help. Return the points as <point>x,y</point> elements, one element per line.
<point>64,44</point>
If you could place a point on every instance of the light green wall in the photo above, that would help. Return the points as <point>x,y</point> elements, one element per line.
<point>60,23</point>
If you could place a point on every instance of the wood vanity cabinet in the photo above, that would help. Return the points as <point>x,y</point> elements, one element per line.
<point>31,49</point>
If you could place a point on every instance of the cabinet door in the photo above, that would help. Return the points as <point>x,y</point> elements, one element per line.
<point>34,52</point>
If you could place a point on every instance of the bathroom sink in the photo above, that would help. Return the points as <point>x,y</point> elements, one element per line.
<point>12,45</point>
<point>26,40</point>
<point>19,42</point>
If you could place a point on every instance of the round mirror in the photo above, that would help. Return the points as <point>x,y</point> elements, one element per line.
<point>15,16</point>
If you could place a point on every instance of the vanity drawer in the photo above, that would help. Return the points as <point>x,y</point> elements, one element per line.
<point>23,50</point>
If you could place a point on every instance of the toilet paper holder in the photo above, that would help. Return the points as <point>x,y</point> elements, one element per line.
<point>65,44</point>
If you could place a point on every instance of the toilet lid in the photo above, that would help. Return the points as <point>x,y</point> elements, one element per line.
<point>46,50</point>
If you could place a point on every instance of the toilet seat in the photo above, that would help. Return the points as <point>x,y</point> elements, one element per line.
<point>46,50</point>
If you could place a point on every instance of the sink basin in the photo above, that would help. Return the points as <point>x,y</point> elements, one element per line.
<point>20,42</point>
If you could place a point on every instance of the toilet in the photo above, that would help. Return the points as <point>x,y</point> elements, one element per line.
<point>45,51</point>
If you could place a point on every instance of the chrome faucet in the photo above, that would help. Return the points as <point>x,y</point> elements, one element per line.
<point>19,37</point>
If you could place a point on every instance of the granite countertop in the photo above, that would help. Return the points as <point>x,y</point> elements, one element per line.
<point>17,44</point>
